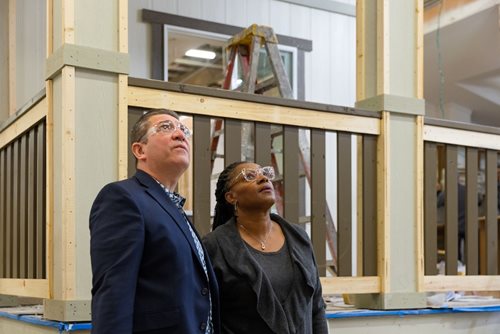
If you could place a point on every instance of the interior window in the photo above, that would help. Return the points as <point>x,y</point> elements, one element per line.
<point>199,58</point>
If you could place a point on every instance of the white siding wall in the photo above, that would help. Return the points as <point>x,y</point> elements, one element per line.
<point>329,68</point>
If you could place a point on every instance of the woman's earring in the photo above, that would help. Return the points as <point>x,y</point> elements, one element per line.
<point>236,208</point>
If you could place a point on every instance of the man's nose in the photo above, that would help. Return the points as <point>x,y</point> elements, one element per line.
<point>179,135</point>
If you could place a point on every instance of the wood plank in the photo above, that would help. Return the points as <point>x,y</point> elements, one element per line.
<point>291,174</point>
<point>383,204</point>
<point>15,209</point>
<point>48,190</point>
<point>419,198</point>
<point>491,213</point>
<point>369,194</point>
<point>318,199</point>
<point>250,111</point>
<point>338,285</point>
<point>123,133</point>
<point>68,21</point>
<point>262,146</point>
<point>253,98</point>
<point>361,50</point>
<point>461,137</point>
<point>40,218</point>
<point>482,240</point>
<point>419,59</point>
<point>8,214</point>
<point>67,251</point>
<point>461,283</point>
<point>123,26</point>
<point>232,141</point>
<point>31,198</point>
<point>430,208</point>
<point>344,203</point>
<point>471,222</point>
<point>451,210</point>
<point>36,288</point>
<point>201,174</point>
<point>31,117</point>
<point>11,60</point>
<point>3,218</point>
<point>185,183</point>
<point>23,206</point>
<point>359,221</point>
<point>445,123</point>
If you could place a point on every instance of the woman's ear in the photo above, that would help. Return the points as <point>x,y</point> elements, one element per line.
<point>230,197</point>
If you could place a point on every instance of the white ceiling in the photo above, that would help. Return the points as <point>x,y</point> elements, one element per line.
<point>462,68</point>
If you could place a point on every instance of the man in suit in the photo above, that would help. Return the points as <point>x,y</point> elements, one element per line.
<point>150,272</point>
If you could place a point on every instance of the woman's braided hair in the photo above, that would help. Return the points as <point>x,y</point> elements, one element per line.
<point>223,209</point>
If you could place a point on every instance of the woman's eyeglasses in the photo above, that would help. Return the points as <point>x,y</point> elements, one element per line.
<point>167,127</point>
<point>251,174</point>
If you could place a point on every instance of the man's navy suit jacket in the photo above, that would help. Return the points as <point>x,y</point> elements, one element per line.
<point>147,276</point>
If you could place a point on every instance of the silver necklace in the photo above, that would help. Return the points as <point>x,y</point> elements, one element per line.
<point>261,241</point>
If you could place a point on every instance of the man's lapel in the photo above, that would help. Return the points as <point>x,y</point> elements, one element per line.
<point>153,188</point>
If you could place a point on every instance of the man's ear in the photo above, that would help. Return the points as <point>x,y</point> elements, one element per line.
<point>138,151</point>
<point>230,197</point>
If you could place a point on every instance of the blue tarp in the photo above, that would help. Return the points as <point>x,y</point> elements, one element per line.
<point>62,327</point>
<point>378,313</point>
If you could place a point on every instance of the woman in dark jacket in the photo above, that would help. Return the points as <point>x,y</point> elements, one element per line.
<point>264,265</point>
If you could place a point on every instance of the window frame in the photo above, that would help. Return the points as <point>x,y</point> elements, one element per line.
<point>158,20</point>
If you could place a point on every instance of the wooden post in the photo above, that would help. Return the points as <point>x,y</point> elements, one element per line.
<point>87,66</point>
<point>12,56</point>
<point>389,78</point>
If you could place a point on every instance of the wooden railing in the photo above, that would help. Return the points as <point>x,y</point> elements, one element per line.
<point>461,159</point>
<point>342,160</point>
<point>23,225</point>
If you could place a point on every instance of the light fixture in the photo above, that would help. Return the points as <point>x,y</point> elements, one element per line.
<point>200,54</point>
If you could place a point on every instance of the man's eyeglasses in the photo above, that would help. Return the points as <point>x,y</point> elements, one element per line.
<point>251,174</point>
<point>167,127</point>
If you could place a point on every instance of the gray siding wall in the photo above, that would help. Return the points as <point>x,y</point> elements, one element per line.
<point>30,49</point>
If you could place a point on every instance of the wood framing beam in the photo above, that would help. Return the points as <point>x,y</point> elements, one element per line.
<point>337,285</point>
<point>38,288</point>
<point>27,120</point>
<point>461,283</point>
<point>123,147</point>
<point>12,57</point>
<point>460,137</point>
<point>251,111</point>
